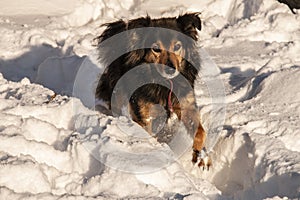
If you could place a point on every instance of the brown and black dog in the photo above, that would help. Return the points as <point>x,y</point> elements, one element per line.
<point>164,86</point>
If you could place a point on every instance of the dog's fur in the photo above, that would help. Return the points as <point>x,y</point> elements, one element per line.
<point>167,56</point>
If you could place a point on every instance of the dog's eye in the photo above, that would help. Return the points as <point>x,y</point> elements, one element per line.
<point>177,46</point>
<point>155,48</point>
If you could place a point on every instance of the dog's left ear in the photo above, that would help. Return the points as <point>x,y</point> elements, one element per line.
<point>188,23</point>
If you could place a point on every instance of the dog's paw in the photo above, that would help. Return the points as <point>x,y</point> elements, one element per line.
<point>205,161</point>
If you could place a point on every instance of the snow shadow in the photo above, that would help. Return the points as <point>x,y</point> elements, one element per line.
<point>95,166</point>
<point>256,86</point>
<point>251,7</point>
<point>284,185</point>
<point>255,83</point>
<point>238,78</point>
<point>241,175</point>
<point>26,65</point>
<point>53,69</point>
<point>234,175</point>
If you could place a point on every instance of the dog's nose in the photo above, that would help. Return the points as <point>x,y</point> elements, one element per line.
<point>170,69</point>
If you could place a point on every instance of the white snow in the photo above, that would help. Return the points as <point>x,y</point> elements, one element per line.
<point>53,145</point>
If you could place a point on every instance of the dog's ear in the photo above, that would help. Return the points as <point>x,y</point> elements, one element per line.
<point>107,47</point>
<point>139,22</point>
<point>136,39</point>
<point>111,30</point>
<point>188,23</point>
<point>120,26</point>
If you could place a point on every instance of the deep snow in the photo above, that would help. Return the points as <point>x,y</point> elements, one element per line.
<point>58,147</point>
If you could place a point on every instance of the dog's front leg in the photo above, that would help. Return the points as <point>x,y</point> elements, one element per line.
<point>191,119</point>
<point>198,148</point>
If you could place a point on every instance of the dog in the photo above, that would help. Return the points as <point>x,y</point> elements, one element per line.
<point>166,50</point>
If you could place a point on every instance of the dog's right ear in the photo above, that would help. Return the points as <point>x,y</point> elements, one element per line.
<point>111,30</point>
<point>139,23</point>
<point>135,39</point>
<point>109,48</point>
<point>123,43</point>
<point>120,26</point>
<point>188,23</point>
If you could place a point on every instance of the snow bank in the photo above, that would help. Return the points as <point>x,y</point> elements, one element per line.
<point>71,146</point>
<point>54,145</point>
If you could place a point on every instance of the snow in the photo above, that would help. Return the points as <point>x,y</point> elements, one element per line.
<point>35,7</point>
<point>53,145</point>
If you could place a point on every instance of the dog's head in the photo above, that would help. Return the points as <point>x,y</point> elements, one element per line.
<point>166,48</point>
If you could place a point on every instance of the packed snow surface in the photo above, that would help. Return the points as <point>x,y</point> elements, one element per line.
<point>53,145</point>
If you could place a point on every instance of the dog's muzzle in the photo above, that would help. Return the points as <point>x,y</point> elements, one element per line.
<point>170,69</point>
<point>169,72</point>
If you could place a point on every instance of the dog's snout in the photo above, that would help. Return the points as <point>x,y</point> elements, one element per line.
<point>170,69</point>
